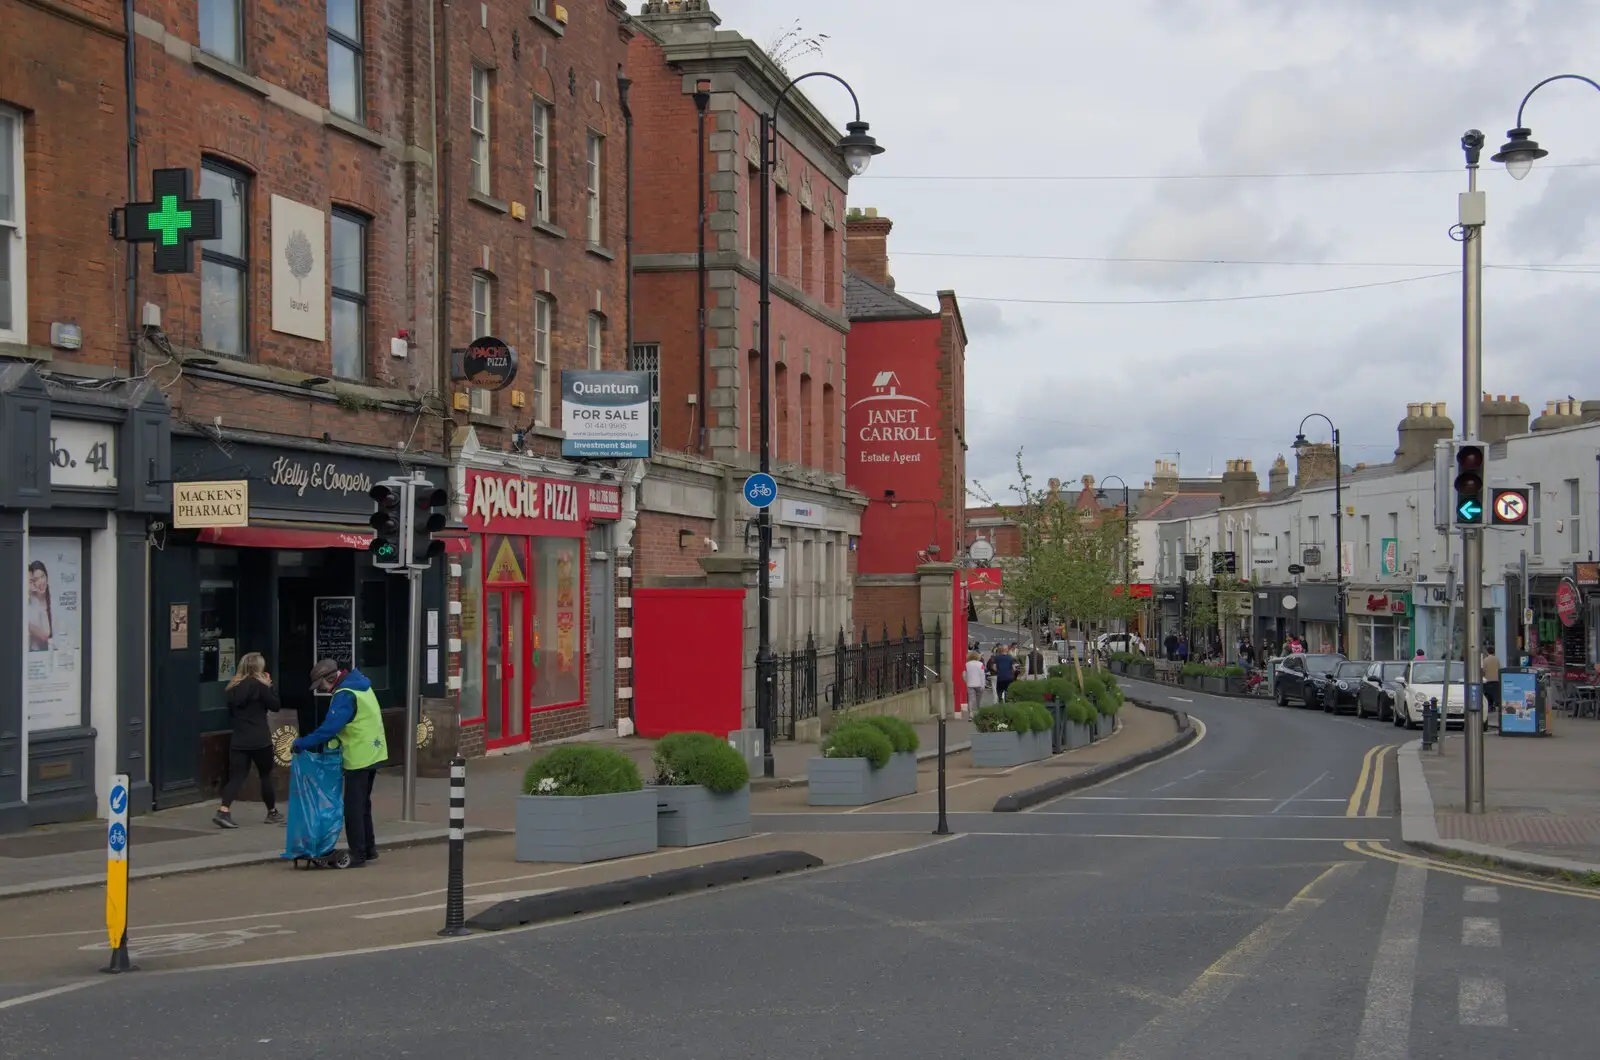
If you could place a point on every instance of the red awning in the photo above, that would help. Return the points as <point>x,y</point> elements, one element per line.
<point>284,537</point>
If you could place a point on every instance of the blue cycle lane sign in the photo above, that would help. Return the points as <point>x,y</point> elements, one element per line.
<point>761,489</point>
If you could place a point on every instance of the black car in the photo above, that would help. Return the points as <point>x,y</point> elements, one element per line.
<point>1339,693</point>
<point>1383,685</point>
<point>1299,677</point>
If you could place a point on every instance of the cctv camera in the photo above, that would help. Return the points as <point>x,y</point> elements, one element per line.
<point>713,546</point>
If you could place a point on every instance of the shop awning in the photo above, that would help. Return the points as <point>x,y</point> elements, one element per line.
<point>299,535</point>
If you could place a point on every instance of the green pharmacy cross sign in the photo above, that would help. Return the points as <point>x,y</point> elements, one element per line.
<point>174,221</point>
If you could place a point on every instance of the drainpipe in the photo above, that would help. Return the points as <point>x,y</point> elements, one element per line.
<point>441,204</point>
<point>702,98</point>
<point>635,468</point>
<point>130,75</point>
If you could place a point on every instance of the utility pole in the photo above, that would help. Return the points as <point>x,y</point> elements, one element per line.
<point>1472,216</point>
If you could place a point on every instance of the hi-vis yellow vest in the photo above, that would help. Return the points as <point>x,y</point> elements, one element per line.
<point>361,741</point>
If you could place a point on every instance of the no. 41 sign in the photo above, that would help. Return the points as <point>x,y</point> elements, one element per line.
<point>83,454</point>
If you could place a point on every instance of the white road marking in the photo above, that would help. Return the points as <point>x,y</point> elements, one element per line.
<point>1482,1002</point>
<point>1200,734</point>
<point>1480,931</point>
<point>1181,699</point>
<point>471,899</point>
<point>1302,791</point>
<point>1151,813</point>
<point>1386,1022</point>
<point>54,991</point>
<point>1184,798</point>
<point>1488,895</point>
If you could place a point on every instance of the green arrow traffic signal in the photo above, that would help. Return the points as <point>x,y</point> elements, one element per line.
<point>1469,511</point>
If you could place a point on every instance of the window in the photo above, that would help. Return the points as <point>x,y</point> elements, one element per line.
<point>1366,543</point>
<point>58,625</point>
<point>225,263</point>
<point>543,310</point>
<point>752,204</point>
<point>1574,510</point>
<point>13,232</point>
<point>344,59</point>
<point>1312,539</point>
<point>808,251</point>
<point>832,292</point>
<point>557,619</point>
<point>480,130</point>
<point>780,233</point>
<point>1536,517</point>
<point>349,278</point>
<point>646,357</point>
<point>541,161</point>
<point>596,145</point>
<point>221,23</point>
<point>482,324</point>
<point>597,330</point>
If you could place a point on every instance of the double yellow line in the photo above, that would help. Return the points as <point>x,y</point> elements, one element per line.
<point>1376,849</point>
<point>1369,785</point>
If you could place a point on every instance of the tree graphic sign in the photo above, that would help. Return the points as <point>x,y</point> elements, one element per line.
<point>300,258</point>
<point>299,269</point>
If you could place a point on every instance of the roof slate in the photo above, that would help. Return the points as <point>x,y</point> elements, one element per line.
<point>866,299</point>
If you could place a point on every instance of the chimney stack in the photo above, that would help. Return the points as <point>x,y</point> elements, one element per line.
<point>1314,463</point>
<point>1426,422</point>
<point>1567,413</point>
<point>1165,480</point>
<point>1278,475</point>
<point>866,245</point>
<point>1240,484</point>
<point>1503,418</point>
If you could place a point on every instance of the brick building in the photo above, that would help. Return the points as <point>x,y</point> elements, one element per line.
<point>305,357</point>
<point>906,426</point>
<point>690,505</point>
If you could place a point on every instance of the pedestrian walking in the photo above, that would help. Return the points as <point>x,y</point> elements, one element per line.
<point>1005,671</point>
<point>1491,680</point>
<point>976,680</point>
<point>250,699</point>
<point>356,721</point>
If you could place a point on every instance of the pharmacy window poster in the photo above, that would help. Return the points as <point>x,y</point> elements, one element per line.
<point>53,665</point>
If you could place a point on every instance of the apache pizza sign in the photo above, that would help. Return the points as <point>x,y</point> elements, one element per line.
<point>512,504</point>
<point>892,427</point>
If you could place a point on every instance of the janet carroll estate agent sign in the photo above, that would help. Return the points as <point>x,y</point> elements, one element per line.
<point>893,427</point>
<point>606,414</point>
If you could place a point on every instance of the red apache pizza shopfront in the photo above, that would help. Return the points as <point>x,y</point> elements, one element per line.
<point>527,619</point>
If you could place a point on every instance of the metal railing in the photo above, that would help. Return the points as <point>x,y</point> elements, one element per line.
<point>852,674</point>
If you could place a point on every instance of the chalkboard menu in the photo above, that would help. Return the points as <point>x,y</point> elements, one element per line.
<point>335,634</point>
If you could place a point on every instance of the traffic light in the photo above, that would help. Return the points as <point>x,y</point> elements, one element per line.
<point>1469,484</point>
<point>388,524</point>
<point>428,517</point>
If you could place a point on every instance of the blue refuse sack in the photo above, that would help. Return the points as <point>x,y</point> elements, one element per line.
<point>316,804</point>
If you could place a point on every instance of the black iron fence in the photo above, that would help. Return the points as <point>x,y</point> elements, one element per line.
<point>852,674</point>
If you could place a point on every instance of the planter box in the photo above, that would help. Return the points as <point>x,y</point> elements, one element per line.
<point>1118,667</point>
<point>1002,750</point>
<point>1234,686</point>
<point>1147,671</point>
<point>853,781</point>
<point>1078,734</point>
<point>1217,686</point>
<point>689,815</point>
<point>1105,725</point>
<point>585,828</point>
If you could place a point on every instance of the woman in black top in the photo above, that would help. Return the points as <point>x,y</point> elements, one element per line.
<point>249,698</point>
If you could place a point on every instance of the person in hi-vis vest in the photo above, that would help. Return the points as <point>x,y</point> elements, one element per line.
<point>355,720</point>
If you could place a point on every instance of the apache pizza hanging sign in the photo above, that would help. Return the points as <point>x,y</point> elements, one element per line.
<point>511,504</point>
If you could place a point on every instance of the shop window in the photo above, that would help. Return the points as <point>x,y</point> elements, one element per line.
<point>372,632</point>
<point>13,231</point>
<point>471,637</point>
<point>57,618</point>
<point>218,623</point>
<point>557,621</point>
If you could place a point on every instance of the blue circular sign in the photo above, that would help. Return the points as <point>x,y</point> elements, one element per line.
<point>761,489</point>
<point>117,838</point>
<point>119,799</point>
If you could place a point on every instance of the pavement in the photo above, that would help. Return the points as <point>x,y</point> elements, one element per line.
<point>1542,796</point>
<point>1245,897</point>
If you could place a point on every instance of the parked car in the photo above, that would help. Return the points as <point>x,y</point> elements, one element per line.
<point>1123,642</point>
<point>1340,691</point>
<point>1424,681</point>
<point>1382,687</point>
<point>1299,677</point>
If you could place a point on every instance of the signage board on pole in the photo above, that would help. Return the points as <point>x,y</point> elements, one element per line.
<point>117,873</point>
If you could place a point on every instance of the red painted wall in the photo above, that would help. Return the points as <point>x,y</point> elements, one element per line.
<point>688,685</point>
<point>897,441</point>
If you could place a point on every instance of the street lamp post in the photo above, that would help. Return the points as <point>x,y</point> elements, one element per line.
<point>1301,443</point>
<point>1127,538</point>
<point>1519,153</point>
<point>857,146</point>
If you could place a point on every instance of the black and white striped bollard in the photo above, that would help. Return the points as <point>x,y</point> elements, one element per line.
<point>455,912</point>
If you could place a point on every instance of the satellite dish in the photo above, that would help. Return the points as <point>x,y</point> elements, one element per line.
<point>1290,603</point>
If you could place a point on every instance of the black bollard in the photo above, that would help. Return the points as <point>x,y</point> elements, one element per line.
<point>944,821</point>
<point>455,903</point>
<point>1430,724</point>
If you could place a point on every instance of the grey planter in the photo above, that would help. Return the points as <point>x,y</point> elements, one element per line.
<point>1105,725</point>
<point>585,828</point>
<point>1002,750</point>
<point>1216,686</point>
<point>1234,686</point>
<point>1078,734</point>
<point>689,815</point>
<point>1146,671</point>
<point>853,781</point>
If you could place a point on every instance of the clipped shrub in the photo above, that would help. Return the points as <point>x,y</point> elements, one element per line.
<point>900,733</point>
<point>858,739</point>
<point>1027,717</point>
<point>581,769</point>
<point>1058,670</point>
<point>699,758</point>
<point>1081,711</point>
<point>992,718</point>
<point>1027,691</point>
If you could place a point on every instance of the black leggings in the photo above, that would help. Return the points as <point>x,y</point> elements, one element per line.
<point>239,763</point>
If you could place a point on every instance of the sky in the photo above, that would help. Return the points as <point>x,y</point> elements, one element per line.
<point>1177,227</point>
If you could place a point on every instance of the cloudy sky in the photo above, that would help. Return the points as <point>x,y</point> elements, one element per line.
<point>1126,198</point>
